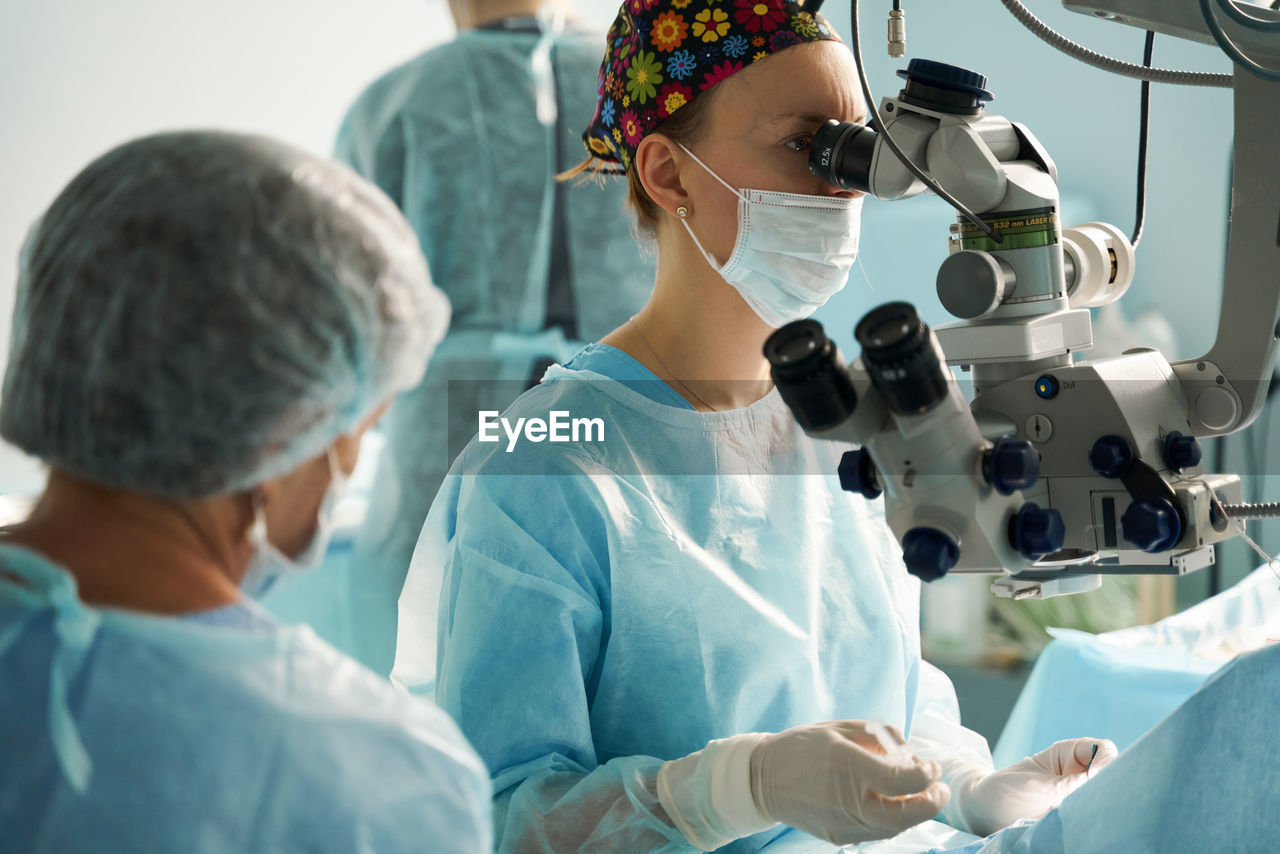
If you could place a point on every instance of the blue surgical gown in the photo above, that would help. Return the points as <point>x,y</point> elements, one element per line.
<point>606,606</point>
<point>225,731</point>
<point>453,138</point>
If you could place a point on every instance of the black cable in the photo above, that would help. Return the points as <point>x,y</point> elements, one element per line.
<point>1144,117</point>
<point>883,130</point>
<point>1219,466</point>
<point>1231,49</point>
<point>897,5</point>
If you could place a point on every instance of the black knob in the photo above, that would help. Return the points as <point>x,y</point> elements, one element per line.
<point>809,374</point>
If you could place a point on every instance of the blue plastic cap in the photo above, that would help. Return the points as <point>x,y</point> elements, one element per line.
<point>1182,451</point>
<point>1011,465</point>
<point>1111,456</point>
<point>928,553</point>
<point>1036,531</point>
<point>946,76</point>
<point>1151,524</point>
<point>857,473</point>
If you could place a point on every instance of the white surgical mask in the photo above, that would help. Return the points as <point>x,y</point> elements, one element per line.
<point>793,250</point>
<point>268,565</point>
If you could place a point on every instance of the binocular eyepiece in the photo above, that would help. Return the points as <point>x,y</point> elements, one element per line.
<point>841,154</point>
<point>897,350</point>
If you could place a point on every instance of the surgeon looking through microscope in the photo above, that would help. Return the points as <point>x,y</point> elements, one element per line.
<point>676,638</point>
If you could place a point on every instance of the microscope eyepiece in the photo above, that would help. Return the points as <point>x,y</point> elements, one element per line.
<point>898,352</point>
<point>841,153</point>
<point>807,369</point>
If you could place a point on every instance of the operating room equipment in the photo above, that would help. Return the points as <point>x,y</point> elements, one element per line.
<point>1057,471</point>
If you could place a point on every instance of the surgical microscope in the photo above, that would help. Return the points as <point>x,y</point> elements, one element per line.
<point>1055,470</point>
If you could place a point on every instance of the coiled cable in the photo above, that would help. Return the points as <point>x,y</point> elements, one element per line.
<point>1115,66</point>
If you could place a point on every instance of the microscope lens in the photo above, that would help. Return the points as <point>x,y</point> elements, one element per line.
<point>807,370</point>
<point>898,351</point>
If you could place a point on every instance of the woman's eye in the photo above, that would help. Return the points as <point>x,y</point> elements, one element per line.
<point>800,143</point>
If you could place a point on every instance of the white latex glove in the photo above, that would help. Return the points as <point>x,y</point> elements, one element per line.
<point>832,780</point>
<point>988,802</point>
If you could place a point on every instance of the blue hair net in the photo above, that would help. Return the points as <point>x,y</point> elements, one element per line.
<point>199,312</point>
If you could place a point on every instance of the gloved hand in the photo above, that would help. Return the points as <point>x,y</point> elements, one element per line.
<point>831,780</point>
<point>988,802</point>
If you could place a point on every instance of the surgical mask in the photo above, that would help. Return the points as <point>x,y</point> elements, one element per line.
<point>268,565</point>
<point>793,251</point>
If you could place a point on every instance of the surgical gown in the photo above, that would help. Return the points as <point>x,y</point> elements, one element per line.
<point>226,731</point>
<point>453,137</point>
<point>610,605</point>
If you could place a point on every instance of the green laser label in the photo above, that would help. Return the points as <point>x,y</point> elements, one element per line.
<point>1019,230</point>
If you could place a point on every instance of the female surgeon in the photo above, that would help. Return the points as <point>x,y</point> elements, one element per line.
<point>679,631</point>
<point>205,326</point>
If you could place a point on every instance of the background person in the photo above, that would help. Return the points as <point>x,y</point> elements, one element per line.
<point>206,325</point>
<point>467,139</point>
<point>676,638</point>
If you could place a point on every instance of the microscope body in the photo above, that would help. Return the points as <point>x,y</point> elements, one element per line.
<point>1056,470</point>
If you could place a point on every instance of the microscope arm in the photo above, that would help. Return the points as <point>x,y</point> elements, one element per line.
<point>1226,387</point>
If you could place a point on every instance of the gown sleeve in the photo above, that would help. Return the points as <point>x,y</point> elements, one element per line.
<point>523,628</point>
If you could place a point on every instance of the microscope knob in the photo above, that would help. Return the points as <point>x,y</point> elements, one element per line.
<point>928,553</point>
<point>972,283</point>
<point>857,474</point>
<point>1151,524</point>
<point>1011,465</point>
<point>1181,451</point>
<point>1036,532</point>
<point>1111,456</point>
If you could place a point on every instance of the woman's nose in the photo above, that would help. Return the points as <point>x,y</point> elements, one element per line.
<point>825,189</point>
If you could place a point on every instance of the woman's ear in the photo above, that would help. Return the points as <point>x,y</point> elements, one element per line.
<point>347,446</point>
<point>657,164</point>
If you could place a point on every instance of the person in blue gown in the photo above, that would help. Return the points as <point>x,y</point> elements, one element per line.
<point>676,631</point>
<point>206,325</point>
<point>467,139</point>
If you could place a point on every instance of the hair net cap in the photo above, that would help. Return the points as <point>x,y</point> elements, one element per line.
<point>199,312</point>
<point>661,54</point>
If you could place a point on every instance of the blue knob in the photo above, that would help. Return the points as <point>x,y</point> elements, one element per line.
<point>947,77</point>
<point>1151,524</point>
<point>1047,387</point>
<point>1011,465</point>
<point>1181,451</point>
<point>928,553</point>
<point>857,473</point>
<point>1036,532</point>
<point>1111,456</point>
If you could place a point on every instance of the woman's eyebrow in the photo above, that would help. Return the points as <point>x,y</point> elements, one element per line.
<point>805,117</point>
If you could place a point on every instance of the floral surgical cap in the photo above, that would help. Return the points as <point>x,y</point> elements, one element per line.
<point>661,54</point>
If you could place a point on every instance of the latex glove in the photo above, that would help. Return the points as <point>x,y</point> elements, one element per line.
<point>988,802</point>
<point>832,780</point>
